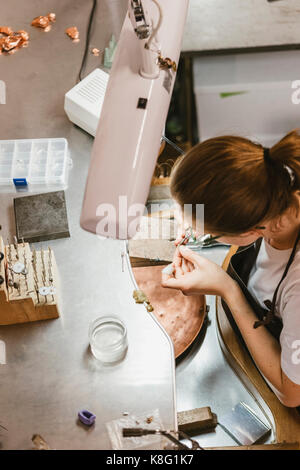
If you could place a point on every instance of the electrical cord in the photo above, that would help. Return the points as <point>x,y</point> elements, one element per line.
<point>88,34</point>
<point>155,30</point>
<point>87,40</point>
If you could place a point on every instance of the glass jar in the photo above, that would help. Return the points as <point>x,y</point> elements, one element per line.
<point>108,339</point>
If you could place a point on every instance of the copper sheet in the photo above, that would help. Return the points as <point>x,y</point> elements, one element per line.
<point>181,316</point>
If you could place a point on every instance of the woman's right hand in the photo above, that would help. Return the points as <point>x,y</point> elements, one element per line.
<point>179,239</point>
<point>194,274</point>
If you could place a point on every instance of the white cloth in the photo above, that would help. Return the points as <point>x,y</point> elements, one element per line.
<point>263,280</point>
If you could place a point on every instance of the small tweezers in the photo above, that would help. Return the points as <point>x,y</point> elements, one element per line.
<point>206,241</point>
<point>188,235</point>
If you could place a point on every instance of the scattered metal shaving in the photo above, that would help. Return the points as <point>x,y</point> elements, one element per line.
<point>40,443</point>
<point>44,22</point>
<point>95,52</point>
<point>11,41</point>
<point>141,298</point>
<point>73,33</point>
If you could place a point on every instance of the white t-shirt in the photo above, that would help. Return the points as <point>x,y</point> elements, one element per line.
<point>263,280</point>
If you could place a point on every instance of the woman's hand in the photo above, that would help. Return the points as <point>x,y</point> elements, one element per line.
<point>194,275</point>
<point>182,235</point>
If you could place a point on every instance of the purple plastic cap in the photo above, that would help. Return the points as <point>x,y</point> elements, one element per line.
<point>86,417</point>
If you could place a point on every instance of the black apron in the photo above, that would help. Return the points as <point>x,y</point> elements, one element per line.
<point>239,269</point>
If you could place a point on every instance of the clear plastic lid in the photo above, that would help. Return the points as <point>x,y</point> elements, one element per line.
<point>34,165</point>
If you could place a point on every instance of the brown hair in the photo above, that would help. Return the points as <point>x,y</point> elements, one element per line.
<point>238,185</point>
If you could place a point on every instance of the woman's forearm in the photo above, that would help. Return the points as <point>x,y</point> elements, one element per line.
<point>263,347</point>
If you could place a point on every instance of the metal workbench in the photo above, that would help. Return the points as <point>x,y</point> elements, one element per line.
<point>50,373</point>
<point>231,26</point>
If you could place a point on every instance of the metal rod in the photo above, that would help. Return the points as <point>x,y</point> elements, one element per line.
<point>16,246</point>
<point>122,256</point>
<point>43,266</point>
<point>139,432</point>
<point>9,252</point>
<point>25,266</point>
<point>50,265</point>
<point>50,269</point>
<point>168,141</point>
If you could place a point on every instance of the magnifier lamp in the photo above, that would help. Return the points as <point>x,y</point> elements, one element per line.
<point>133,117</point>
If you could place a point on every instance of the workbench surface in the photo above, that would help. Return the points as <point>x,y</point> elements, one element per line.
<point>50,373</point>
<point>215,26</point>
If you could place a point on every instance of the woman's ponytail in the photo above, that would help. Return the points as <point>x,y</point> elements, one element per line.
<point>287,153</point>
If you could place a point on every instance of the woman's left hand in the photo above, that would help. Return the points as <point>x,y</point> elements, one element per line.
<point>194,275</point>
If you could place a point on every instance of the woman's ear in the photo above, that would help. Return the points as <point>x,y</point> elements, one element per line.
<point>298,198</point>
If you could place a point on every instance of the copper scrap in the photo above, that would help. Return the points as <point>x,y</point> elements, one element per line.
<point>1,45</point>
<point>95,52</point>
<point>44,22</point>
<point>6,30</point>
<point>73,33</point>
<point>11,41</point>
<point>166,63</point>
<point>149,419</point>
<point>52,17</point>
<point>40,22</point>
<point>24,35</point>
<point>40,443</point>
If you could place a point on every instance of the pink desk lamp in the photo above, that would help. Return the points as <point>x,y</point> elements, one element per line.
<point>133,117</point>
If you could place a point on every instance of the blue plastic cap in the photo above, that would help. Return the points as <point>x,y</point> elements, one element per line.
<point>20,182</point>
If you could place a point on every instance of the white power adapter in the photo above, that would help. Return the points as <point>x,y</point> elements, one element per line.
<point>83,103</point>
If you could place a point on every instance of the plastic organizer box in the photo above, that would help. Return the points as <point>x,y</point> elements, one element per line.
<point>34,164</point>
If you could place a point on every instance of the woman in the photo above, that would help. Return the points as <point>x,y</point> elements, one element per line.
<point>250,194</point>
